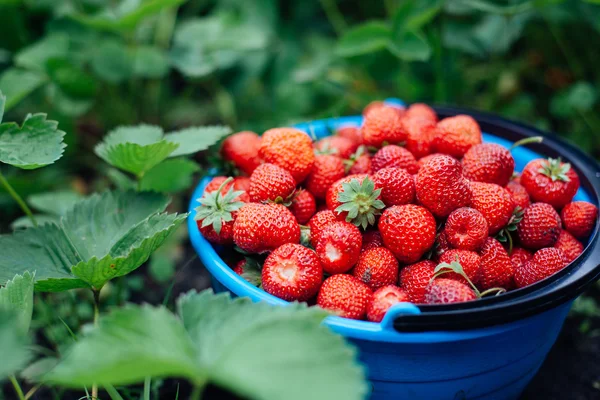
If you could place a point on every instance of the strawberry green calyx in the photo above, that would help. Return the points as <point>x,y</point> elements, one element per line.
<point>360,201</point>
<point>305,236</point>
<point>349,163</point>
<point>251,272</point>
<point>215,208</point>
<point>505,235</point>
<point>454,266</point>
<point>555,169</point>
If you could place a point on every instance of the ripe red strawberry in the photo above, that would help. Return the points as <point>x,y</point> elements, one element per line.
<point>355,199</point>
<point>397,186</point>
<point>456,135</point>
<point>519,255</point>
<point>289,148</point>
<point>383,299</point>
<point>441,187</point>
<point>394,156</point>
<point>441,245</point>
<point>292,272</point>
<point>489,163</point>
<point>519,194</point>
<point>545,262</point>
<point>242,150</point>
<point>466,228</point>
<point>345,295</point>
<point>360,165</point>
<point>421,133</point>
<point>383,125</point>
<point>579,218</point>
<point>269,182</point>
<point>424,160</point>
<point>238,184</point>
<point>259,228</point>
<point>550,181</point>
<point>468,260</point>
<point>539,227</point>
<point>338,247</point>
<point>250,270</point>
<point>303,206</point>
<point>217,213</point>
<point>336,145</point>
<point>377,267</point>
<point>371,239</point>
<point>351,132</point>
<point>494,202</point>
<point>317,223</point>
<point>375,105</point>
<point>569,245</point>
<point>422,111</point>
<point>496,267</point>
<point>326,170</point>
<point>408,231</point>
<point>445,291</point>
<point>415,278</point>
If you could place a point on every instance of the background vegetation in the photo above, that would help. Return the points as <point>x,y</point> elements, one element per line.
<point>93,65</point>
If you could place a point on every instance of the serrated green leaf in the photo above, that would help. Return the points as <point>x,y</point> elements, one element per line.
<point>126,16</point>
<point>17,296</point>
<point>170,176</point>
<point>134,342</point>
<point>365,38</point>
<point>411,46</point>
<point>12,345</point>
<point>55,203</point>
<point>25,222</point>
<point>35,56</point>
<point>254,350</point>
<point>102,237</point>
<point>194,139</point>
<point>305,360</point>
<point>16,84</point>
<point>36,143</point>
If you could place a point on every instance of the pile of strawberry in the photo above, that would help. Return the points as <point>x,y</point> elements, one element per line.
<point>405,208</point>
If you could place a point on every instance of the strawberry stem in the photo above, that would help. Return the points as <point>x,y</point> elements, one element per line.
<point>497,291</point>
<point>529,140</point>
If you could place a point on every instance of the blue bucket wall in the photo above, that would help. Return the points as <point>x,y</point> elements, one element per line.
<point>494,363</point>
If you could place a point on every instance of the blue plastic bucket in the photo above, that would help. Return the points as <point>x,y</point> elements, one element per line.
<point>488,349</point>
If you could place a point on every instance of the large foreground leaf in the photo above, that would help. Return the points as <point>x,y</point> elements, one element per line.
<point>102,237</point>
<point>137,149</point>
<point>17,296</point>
<point>255,350</point>
<point>13,350</point>
<point>36,143</point>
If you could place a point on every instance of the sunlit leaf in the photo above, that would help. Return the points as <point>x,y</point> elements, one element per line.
<point>17,296</point>
<point>364,39</point>
<point>36,143</point>
<point>101,237</point>
<point>170,176</point>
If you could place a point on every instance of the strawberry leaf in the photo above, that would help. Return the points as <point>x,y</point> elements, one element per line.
<point>13,344</point>
<point>54,203</point>
<point>137,149</point>
<point>170,176</point>
<point>17,296</point>
<point>102,237</point>
<point>254,350</point>
<point>36,143</point>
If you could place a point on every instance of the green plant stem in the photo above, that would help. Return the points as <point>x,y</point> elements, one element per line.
<point>334,16</point>
<point>147,383</point>
<point>32,391</point>
<point>112,392</point>
<point>96,293</point>
<point>17,387</point>
<point>197,392</point>
<point>18,199</point>
<point>529,140</point>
